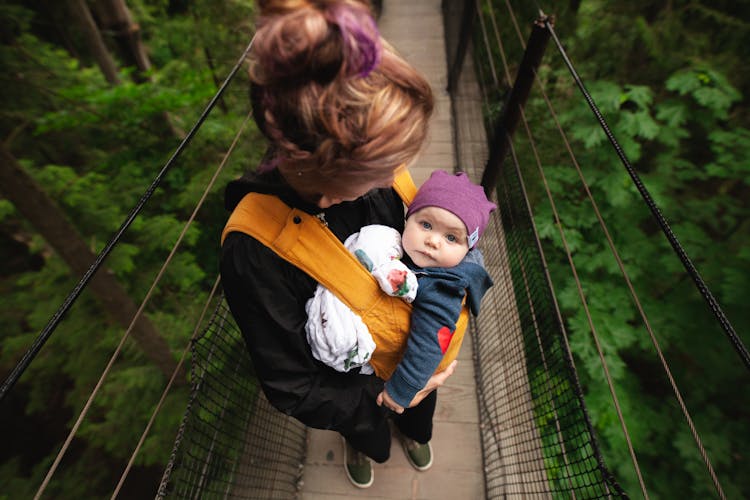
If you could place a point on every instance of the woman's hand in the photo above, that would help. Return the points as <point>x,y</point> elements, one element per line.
<point>385,399</point>
<point>435,381</point>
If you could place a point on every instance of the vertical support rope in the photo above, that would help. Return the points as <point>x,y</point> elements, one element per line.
<point>526,286</point>
<point>629,284</point>
<point>676,246</point>
<point>140,310</point>
<point>634,296</point>
<point>584,303</point>
<point>485,38</point>
<point>517,115</point>
<point>609,481</point>
<point>200,319</point>
<point>56,318</point>
<point>673,384</point>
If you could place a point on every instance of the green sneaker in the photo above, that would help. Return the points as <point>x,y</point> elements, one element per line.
<point>358,467</point>
<point>419,455</point>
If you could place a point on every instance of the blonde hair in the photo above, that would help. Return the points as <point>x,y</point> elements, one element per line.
<point>339,105</point>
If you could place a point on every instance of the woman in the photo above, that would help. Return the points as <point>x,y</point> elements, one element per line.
<point>342,111</point>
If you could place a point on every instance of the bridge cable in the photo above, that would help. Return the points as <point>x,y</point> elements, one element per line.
<point>57,317</point>
<point>567,350</point>
<point>138,313</point>
<point>626,277</point>
<point>200,319</point>
<point>584,303</point>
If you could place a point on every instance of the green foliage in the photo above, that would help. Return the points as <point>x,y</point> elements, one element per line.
<point>670,79</point>
<point>95,148</point>
<point>705,215</point>
<point>672,84</point>
<point>709,88</point>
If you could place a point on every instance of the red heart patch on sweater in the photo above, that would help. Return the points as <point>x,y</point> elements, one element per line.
<point>444,338</point>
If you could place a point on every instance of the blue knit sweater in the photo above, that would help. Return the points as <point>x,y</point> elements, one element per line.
<point>435,311</point>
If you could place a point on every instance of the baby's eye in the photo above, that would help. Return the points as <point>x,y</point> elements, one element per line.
<point>426,225</point>
<point>452,238</point>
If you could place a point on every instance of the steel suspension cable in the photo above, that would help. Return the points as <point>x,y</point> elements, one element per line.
<point>138,313</point>
<point>57,317</point>
<point>197,325</point>
<point>561,325</point>
<point>656,212</point>
<point>631,288</point>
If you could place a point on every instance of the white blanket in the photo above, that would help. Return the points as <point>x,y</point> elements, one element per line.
<point>337,336</point>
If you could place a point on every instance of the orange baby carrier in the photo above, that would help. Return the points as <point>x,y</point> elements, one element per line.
<point>304,241</point>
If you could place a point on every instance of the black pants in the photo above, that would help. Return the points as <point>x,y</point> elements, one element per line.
<point>414,423</point>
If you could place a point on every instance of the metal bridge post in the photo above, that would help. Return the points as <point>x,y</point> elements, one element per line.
<point>467,27</point>
<point>506,125</point>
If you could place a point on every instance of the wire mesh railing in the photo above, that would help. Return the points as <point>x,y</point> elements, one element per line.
<point>537,439</point>
<point>536,314</point>
<point>531,406</point>
<point>231,442</point>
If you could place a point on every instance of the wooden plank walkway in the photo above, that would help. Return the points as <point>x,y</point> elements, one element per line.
<point>415,28</point>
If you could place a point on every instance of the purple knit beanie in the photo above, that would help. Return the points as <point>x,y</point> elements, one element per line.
<point>457,194</point>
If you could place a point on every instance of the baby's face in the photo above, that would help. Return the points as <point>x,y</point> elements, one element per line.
<point>435,237</point>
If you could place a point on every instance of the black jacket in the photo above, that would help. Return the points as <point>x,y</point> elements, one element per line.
<point>267,298</point>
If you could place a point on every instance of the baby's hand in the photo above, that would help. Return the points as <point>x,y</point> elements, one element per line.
<point>384,398</point>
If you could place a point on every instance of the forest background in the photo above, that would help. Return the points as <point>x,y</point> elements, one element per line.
<point>97,96</point>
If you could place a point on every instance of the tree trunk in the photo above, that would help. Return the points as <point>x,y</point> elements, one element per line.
<point>80,11</point>
<point>115,17</point>
<point>47,218</point>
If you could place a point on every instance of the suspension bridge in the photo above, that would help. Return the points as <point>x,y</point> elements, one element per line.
<point>512,421</point>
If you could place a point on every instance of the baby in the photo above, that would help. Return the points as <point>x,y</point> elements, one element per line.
<point>441,267</point>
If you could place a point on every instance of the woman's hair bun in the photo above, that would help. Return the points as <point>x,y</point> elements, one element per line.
<point>303,40</point>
